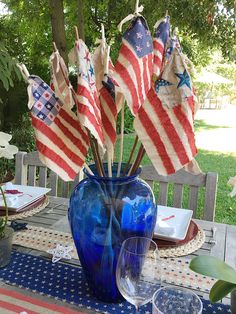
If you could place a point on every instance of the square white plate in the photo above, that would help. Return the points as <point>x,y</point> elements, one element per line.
<point>175,228</point>
<point>29,195</point>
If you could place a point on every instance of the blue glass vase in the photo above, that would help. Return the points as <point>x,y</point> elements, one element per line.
<point>103,212</point>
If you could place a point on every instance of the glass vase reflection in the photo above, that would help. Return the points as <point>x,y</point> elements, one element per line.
<point>103,212</point>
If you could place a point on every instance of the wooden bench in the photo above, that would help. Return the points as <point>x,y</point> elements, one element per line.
<point>181,179</point>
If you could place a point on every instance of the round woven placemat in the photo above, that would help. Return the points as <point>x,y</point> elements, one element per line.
<point>31,211</point>
<point>186,248</point>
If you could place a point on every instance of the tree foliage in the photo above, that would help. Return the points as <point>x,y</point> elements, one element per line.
<point>27,32</point>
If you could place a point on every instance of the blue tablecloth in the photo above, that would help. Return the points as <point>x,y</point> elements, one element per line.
<point>67,283</point>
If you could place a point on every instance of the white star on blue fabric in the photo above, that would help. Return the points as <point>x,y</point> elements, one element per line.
<point>160,83</point>
<point>184,79</point>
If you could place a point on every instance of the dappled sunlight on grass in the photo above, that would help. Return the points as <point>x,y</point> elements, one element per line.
<point>200,125</point>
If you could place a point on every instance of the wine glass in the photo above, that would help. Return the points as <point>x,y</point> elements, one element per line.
<point>138,270</point>
<point>176,300</point>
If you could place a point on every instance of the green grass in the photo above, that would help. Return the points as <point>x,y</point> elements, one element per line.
<point>200,125</point>
<point>223,164</point>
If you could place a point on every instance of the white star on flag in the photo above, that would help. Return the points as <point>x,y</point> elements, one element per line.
<point>139,35</point>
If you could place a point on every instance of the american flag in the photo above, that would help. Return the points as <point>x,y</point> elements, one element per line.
<point>164,123</point>
<point>59,74</point>
<point>108,95</point>
<point>61,142</point>
<point>134,67</point>
<point>88,107</point>
<point>109,113</point>
<point>161,37</point>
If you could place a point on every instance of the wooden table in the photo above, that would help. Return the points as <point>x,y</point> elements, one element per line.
<point>220,240</point>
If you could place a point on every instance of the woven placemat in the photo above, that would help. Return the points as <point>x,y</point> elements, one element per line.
<point>43,239</point>
<point>36,208</point>
<point>186,248</point>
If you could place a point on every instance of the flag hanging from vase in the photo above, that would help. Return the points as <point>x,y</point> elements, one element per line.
<point>164,123</point>
<point>61,141</point>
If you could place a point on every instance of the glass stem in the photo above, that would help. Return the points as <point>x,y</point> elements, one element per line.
<point>137,309</point>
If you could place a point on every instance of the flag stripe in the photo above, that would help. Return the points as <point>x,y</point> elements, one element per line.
<point>15,308</point>
<point>89,121</point>
<point>75,124</point>
<point>156,140</point>
<point>187,127</point>
<point>76,141</point>
<point>169,127</point>
<point>129,83</point>
<point>108,126</point>
<point>47,306</point>
<point>59,150</point>
<point>146,78</point>
<point>82,90</point>
<point>129,55</point>
<point>6,311</point>
<point>38,124</point>
<point>109,100</point>
<point>52,155</point>
<point>157,46</point>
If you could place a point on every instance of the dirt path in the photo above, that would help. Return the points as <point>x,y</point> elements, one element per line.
<point>223,137</point>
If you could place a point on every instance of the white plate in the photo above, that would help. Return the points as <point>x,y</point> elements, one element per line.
<point>175,228</point>
<point>29,195</point>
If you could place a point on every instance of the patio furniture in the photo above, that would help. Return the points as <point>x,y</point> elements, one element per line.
<point>31,171</point>
<point>181,179</point>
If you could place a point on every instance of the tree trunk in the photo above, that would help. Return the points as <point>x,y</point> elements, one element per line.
<point>58,27</point>
<point>81,19</point>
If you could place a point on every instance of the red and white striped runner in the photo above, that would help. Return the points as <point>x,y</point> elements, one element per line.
<point>12,302</point>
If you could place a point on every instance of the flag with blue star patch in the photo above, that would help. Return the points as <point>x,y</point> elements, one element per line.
<point>177,86</point>
<point>88,106</point>
<point>134,67</point>
<point>164,123</point>
<point>61,141</point>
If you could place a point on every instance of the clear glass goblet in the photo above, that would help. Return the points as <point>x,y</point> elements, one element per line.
<point>176,300</point>
<point>138,271</point>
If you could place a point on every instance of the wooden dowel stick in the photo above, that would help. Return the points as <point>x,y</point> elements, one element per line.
<point>136,6</point>
<point>109,166</point>
<point>131,155</point>
<point>76,33</point>
<point>137,161</point>
<point>95,155</point>
<point>99,157</point>
<point>88,169</point>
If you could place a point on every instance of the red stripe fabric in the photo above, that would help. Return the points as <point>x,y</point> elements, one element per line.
<point>124,74</point>
<point>108,127</point>
<point>76,141</point>
<point>38,302</point>
<point>75,124</point>
<point>15,308</point>
<point>58,160</point>
<point>86,115</point>
<point>146,75</point>
<point>129,55</point>
<point>109,100</point>
<point>184,121</point>
<point>169,128</point>
<point>156,140</point>
<point>52,135</point>
<point>157,46</point>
